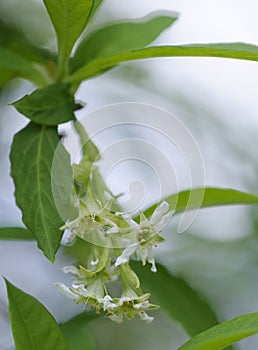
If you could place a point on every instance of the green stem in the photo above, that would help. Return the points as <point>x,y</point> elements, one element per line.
<point>62,68</point>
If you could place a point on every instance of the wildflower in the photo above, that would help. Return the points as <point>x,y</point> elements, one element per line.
<point>147,236</point>
<point>89,289</point>
<point>130,306</point>
<point>96,224</point>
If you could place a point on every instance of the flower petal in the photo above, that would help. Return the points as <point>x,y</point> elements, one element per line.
<point>72,269</point>
<point>113,229</point>
<point>94,262</point>
<point>151,259</point>
<point>159,226</point>
<point>145,317</point>
<point>159,212</point>
<point>127,252</point>
<point>107,302</point>
<point>63,289</point>
<point>81,290</point>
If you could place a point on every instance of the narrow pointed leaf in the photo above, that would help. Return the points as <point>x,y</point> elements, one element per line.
<point>177,299</point>
<point>15,233</point>
<point>32,154</point>
<point>17,42</point>
<point>224,334</point>
<point>51,105</point>
<point>239,51</point>
<point>120,37</point>
<point>34,328</point>
<point>69,18</point>
<point>212,197</point>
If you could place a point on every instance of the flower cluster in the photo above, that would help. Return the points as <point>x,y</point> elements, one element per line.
<point>114,238</point>
<point>116,309</point>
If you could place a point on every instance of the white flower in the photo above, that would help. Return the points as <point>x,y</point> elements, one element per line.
<point>107,302</point>
<point>131,306</point>
<point>148,236</point>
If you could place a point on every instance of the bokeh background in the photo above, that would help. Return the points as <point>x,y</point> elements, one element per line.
<point>217,101</point>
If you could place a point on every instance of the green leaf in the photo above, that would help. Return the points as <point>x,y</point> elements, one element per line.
<point>32,154</point>
<point>6,75</point>
<point>77,332</point>
<point>17,66</point>
<point>17,42</point>
<point>228,50</point>
<point>120,37</point>
<point>96,5</point>
<point>177,299</point>
<point>69,18</point>
<point>51,105</point>
<point>34,328</point>
<point>16,233</point>
<point>224,334</point>
<point>212,197</point>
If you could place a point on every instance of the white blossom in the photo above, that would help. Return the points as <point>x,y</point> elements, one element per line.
<point>107,302</point>
<point>148,236</point>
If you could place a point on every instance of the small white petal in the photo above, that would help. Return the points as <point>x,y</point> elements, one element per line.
<point>153,267</point>
<point>163,222</point>
<point>127,252</point>
<point>80,289</point>
<point>143,251</point>
<point>106,298</point>
<point>138,306</point>
<point>107,302</point>
<point>160,211</point>
<point>94,262</point>
<point>145,317</point>
<point>112,230</point>
<point>72,269</point>
<point>63,289</point>
<point>124,300</point>
<point>151,259</point>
